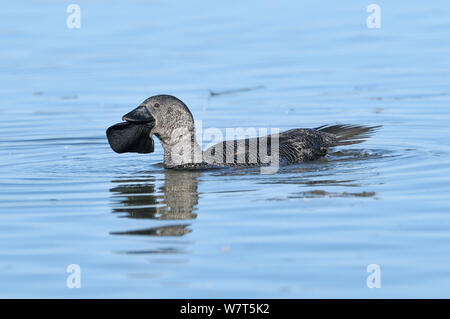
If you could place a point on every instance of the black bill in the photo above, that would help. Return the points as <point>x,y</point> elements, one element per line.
<point>134,134</point>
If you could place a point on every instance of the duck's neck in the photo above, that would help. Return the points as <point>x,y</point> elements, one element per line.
<point>181,149</point>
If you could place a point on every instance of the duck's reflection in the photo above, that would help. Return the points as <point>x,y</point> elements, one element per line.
<point>174,200</point>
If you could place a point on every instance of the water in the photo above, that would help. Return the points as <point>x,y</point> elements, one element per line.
<point>311,230</point>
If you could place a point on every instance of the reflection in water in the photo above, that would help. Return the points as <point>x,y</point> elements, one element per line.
<point>171,230</point>
<point>175,200</point>
<point>325,194</point>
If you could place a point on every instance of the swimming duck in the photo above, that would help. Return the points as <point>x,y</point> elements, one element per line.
<point>170,120</point>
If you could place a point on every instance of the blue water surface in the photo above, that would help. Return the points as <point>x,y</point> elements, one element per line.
<point>139,231</point>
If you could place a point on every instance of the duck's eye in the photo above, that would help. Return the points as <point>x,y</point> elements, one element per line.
<point>156,105</point>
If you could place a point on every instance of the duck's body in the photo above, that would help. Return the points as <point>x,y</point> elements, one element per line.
<point>170,120</point>
<point>296,145</point>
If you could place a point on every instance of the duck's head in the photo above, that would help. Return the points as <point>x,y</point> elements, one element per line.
<point>162,115</point>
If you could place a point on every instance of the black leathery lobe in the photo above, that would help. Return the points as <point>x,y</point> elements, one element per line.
<point>130,137</point>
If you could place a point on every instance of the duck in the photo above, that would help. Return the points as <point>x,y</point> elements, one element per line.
<point>171,121</point>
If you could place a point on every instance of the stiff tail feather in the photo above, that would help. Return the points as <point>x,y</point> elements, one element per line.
<point>347,134</point>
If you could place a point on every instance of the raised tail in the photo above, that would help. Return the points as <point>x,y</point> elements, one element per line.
<point>347,134</point>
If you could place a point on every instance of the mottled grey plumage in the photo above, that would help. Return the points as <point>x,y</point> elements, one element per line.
<point>173,124</point>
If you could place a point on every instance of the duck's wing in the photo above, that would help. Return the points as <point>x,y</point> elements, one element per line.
<point>235,152</point>
<point>295,145</point>
<point>300,145</point>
